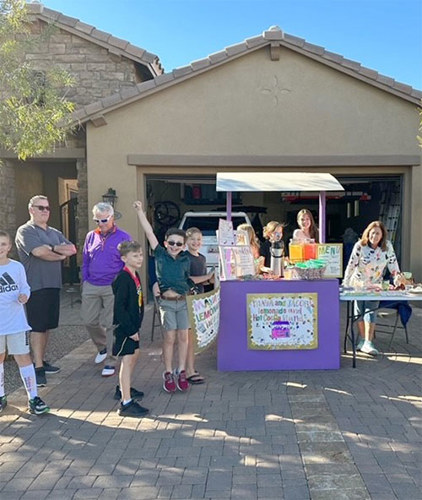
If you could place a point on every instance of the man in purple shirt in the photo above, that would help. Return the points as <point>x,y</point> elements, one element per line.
<point>101,263</point>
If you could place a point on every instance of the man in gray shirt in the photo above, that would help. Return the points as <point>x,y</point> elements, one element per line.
<point>41,250</point>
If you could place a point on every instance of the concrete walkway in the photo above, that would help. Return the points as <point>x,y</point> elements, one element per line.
<point>346,434</point>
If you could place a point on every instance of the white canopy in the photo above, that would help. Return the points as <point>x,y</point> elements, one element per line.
<point>277,181</point>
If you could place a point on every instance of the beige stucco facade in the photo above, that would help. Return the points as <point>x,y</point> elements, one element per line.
<point>259,114</point>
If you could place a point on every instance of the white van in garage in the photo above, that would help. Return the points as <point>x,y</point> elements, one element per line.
<point>207,222</point>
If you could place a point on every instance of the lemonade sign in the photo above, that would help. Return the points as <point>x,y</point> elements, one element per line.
<point>332,255</point>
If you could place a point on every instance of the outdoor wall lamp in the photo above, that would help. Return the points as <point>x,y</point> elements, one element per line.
<point>110,197</point>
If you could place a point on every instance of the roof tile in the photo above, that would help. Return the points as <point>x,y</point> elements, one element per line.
<point>68,21</point>
<point>370,73</point>
<point>274,33</point>
<point>182,71</point>
<point>148,85</point>
<point>149,57</point>
<point>111,100</point>
<point>218,57</point>
<point>295,40</point>
<point>238,48</point>
<point>51,14</point>
<point>332,56</point>
<point>118,42</point>
<point>403,87</point>
<point>348,63</point>
<point>386,80</point>
<point>93,107</point>
<point>135,51</point>
<point>84,28</point>
<point>316,49</point>
<point>416,93</point>
<point>100,35</point>
<point>164,78</point>
<point>128,92</point>
<point>200,64</point>
<point>255,41</point>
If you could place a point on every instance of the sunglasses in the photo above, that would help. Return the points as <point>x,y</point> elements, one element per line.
<point>175,243</point>
<point>41,208</point>
<point>102,221</point>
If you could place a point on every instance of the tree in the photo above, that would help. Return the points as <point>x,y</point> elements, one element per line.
<point>34,112</point>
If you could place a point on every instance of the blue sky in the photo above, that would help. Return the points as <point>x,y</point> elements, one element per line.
<point>384,35</point>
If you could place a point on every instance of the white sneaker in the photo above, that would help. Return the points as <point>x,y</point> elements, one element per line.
<point>108,371</point>
<point>100,357</point>
<point>369,348</point>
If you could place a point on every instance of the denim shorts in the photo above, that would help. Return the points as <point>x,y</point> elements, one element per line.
<point>174,314</point>
<point>16,343</point>
<point>368,314</point>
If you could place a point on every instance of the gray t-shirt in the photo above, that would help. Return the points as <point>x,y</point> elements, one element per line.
<point>40,273</point>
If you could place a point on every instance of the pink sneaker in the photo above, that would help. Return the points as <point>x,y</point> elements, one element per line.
<point>182,383</point>
<point>169,385</point>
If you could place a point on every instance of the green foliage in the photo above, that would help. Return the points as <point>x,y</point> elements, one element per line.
<point>34,112</point>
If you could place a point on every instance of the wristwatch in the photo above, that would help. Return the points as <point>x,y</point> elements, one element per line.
<point>52,248</point>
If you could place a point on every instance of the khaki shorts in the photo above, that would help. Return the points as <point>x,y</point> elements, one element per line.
<point>16,343</point>
<point>174,314</point>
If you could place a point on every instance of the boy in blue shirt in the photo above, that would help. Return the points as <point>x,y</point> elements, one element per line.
<point>128,316</point>
<point>173,275</point>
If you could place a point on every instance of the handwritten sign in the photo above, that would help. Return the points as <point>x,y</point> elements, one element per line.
<point>225,233</point>
<point>204,316</point>
<point>332,255</point>
<point>282,321</point>
<point>236,262</point>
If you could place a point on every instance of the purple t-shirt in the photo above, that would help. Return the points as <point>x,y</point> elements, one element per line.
<point>101,260</point>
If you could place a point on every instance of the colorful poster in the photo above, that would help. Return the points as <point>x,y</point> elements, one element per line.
<point>332,255</point>
<point>236,262</point>
<point>282,321</point>
<point>204,316</point>
<point>225,233</point>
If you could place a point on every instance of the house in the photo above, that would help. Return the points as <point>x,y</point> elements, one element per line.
<point>271,103</point>
<point>101,65</point>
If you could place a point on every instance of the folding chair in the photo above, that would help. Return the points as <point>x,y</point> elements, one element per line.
<point>402,311</point>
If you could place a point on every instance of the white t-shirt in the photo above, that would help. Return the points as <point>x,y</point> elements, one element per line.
<point>12,313</point>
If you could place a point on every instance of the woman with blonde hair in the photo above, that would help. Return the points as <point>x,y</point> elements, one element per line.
<point>254,244</point>
<point>273,231</point>
<point>308,230</point>
<point>370,257</point>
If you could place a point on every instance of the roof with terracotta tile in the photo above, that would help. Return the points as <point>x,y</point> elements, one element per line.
<point>275,38</point>
<point>114,45</point>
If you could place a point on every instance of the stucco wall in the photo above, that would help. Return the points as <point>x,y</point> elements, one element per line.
<point>253,106</point>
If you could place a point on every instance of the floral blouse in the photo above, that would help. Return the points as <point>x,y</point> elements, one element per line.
<point>367,265</point>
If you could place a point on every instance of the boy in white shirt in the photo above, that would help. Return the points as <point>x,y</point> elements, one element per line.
<point>14,293</point>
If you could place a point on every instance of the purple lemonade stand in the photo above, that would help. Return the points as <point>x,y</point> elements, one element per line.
<point>233,351</point>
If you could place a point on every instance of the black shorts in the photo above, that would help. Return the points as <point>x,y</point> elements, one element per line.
<point>124,346</point>
<point>43,309</point>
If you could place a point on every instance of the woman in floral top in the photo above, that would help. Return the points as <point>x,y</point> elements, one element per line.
<point>371,255</point>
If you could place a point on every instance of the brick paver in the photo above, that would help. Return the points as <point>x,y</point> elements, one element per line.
<point>346,434</point>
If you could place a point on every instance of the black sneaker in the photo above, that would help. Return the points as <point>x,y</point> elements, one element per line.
<point>40,376</point>
<point>50,369</point>
<point>37,406</point>
<point>132,409</point>
<point>134,393</point>
<point>3,403</point>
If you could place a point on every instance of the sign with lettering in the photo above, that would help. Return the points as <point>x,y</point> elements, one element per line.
<point>204,316</point>
<point>282,321</point>
<point>332,255</point>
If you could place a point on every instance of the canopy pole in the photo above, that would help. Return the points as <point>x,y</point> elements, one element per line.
<point>322,204</point>
<point>229,205</point>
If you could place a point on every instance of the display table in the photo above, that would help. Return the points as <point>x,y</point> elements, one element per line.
<point>233,352</point>
<point>374,297</point>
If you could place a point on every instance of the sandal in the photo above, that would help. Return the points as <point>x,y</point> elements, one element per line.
<point>196,379</point>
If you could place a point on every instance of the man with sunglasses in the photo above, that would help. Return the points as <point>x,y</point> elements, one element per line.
<point>101,263</point>
<point>42,249</point>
